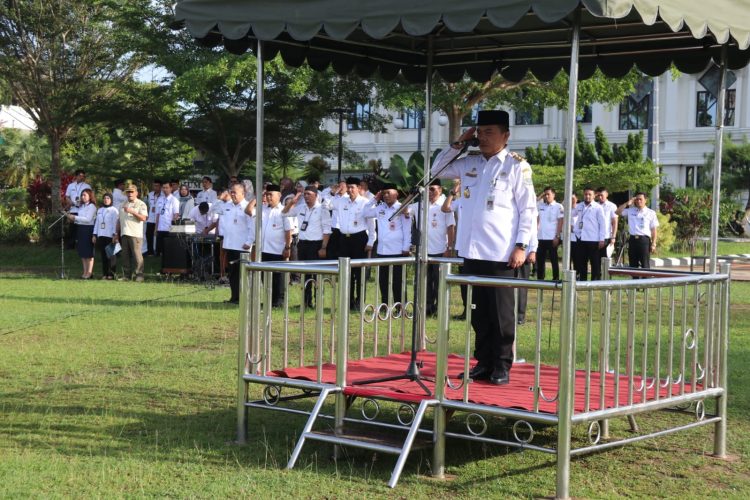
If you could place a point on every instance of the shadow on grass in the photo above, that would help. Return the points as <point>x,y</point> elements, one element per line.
<point>157,425</point>
<point>110,302</point>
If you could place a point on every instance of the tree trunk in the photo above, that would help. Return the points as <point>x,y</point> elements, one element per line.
<point>55,172</point>
<point>455,116</point>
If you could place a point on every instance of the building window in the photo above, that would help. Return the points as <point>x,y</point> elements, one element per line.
<point>705,113</point>
<point>634,114</point>
<point>532,116</point>
<point>412,118</point>
<point>585,116</point>
<point>359,119</point>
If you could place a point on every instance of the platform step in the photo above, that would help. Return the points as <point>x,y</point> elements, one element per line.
<point>379,442</point>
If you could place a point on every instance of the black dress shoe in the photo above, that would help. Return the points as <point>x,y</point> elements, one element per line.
<point>500,376</point>
<point>232,301</point>
<point>460,316</point>
<point>479,372</point>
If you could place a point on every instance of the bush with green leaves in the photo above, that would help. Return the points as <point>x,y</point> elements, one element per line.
<point>18,227</point>
<point>690,209</point>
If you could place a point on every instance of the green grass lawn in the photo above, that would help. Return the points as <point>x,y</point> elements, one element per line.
<point>128,390</point>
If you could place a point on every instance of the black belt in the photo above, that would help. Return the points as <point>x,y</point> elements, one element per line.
<point>349,235</point>
<point>638,237</point>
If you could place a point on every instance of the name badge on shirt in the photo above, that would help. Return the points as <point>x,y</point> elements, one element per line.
<point>303,227</point>
<point>101,226</point>
<point>153,210</point>
<point>580,225</point>
<point>434,223</point>
<point>392,226</point>
<point>467,193</point>
<point>356,222</point>
<point>491,202</point>
<point>162,211</point>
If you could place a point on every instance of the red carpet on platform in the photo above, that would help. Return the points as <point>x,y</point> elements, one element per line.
<point>517,394</point>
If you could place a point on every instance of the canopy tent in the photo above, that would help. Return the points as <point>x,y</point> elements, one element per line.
<point>478,37</point>
<point>418,38</point>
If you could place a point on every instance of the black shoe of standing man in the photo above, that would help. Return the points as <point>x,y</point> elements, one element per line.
<point>479,372</point>
<point>500,376</point>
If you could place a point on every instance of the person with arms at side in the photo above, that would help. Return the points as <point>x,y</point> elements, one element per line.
<point>590,233</point>
<point>549,230</point>
<point>498,209</point>
<point>118,196</point>
<point>84,223</point>
<point>314,223</point>
<point>393,238</point>
<point>105,228</point>
<point>357,234</point>
<point>72,203</point>
<point>452,204</point>
<point>238,230</point>
<point>132,214</point>
<point>610,221</point>
<point>167,211</point>
<point>206,194</point>
<point>186,201</point>
<point>152,199</point>
<point>642,224</point>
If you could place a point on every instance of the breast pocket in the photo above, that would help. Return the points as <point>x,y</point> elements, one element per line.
<point>503,194</point>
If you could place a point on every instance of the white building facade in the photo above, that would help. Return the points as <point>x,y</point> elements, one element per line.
<point>686,118</point>
<point>15,117</point>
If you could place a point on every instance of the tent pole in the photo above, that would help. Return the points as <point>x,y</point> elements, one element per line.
<point>718,150</point>
<point>424,204</point>
<point>567,365</point>
<point>259,144</point>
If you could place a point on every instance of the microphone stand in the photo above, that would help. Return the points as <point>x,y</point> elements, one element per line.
<point>61,219</point>
<point>412,373</point>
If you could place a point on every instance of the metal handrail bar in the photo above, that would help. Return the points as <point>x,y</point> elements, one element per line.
<point>381,261</point>
<point>640,272</point>
<point>650,282</point>
<point>283,266</point>
<point>465,279</point>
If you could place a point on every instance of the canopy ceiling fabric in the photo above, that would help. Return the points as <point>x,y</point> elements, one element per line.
<point>478,37</point>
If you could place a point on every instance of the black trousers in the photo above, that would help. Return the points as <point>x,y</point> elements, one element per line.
<point>493,318</point>
<point>396,284</point>
<point>587,252</point>
<point>277,297</point>
<point>545,251</point>
<point>639,251</point>
<point>433,271</point>
<point>160,236</point>
<point>108,265</point>
<point>353,246</point>
<point>308,250</point>
<point>150,232</point>
<point>334,243</point>
<point>234,273</point>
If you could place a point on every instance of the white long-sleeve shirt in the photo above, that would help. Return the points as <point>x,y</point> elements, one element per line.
<point>86,215</point>
<point>238,227</point>
<point>498,207</point>
<point>313,221</point>
<point>590,224</point>
<point>394,236</point>
<point>351,219</point>
<point>106,221</point>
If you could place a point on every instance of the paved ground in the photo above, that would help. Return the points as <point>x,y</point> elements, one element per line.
<point>740,266</point>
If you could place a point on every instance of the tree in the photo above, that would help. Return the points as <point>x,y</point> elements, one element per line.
<point>735,165</point>
<point>60,58</point>
<point>458,100</point>
<point>23,157</point>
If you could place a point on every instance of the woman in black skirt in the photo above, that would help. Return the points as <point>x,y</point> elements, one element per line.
<point>84,222</point>
<point>104,230</point>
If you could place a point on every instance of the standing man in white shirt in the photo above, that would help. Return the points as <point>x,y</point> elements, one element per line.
<point>238,229</point>
<point>357,234</point>
<point>277,238</point>
<point>642,224</point>
<point>118,196</point>
<point>152,201</point>
<point>207,194</point>
<point>393,237</point>
<point>441,234</point>
<point>610,220</point>
<point>167,211</point>
<point>72,203</point>
<point>590,231</point>
<point>498,209</point>
<point>314,223</point>
<point>550,222</point>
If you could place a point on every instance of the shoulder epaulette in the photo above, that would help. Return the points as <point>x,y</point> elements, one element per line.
<point>516,156</point>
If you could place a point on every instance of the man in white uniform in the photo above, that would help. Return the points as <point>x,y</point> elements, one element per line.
<point>642,224</point>
<point>207,194</point>
<point>590,234</point>
<point>357,234</point>
<point>314,222</point>
<point>118,196</point>
<point>393,237</point>
<point>167,211</point>
<point>204,218</point>
<point>277,238</point>
<point>550,222</point>
<point>152,200</point>
<point>441,233</point>
<point>238,229</point>
<point>610,220</point>
<point>498,210</point>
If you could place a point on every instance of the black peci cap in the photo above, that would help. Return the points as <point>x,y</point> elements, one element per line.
<point>493,117</point>
<point>353,180</point>
<point>273,187</point>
